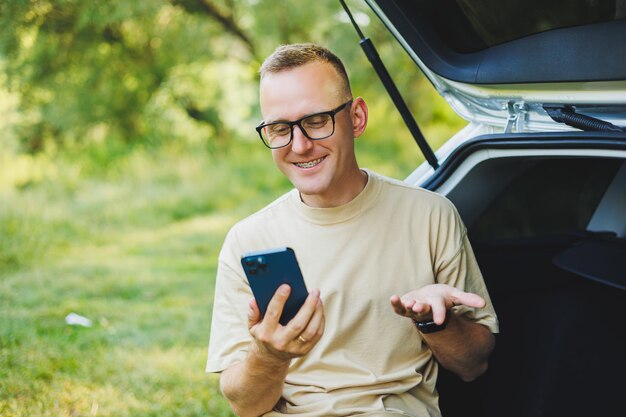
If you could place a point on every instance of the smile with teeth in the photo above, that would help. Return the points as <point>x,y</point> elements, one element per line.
<point>309,164</point>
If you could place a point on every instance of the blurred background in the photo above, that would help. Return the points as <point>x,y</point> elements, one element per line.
<point>127,150</point>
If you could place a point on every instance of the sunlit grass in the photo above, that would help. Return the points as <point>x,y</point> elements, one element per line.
<point>134,251</point>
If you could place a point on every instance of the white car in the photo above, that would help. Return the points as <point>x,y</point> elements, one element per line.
<point>539,177</point>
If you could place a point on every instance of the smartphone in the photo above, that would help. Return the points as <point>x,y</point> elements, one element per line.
<point>269,269</point>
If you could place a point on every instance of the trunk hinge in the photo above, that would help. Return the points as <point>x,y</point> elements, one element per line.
<point>518,117</point>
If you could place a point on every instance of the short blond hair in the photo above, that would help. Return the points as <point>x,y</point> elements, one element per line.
<point>286,57</point>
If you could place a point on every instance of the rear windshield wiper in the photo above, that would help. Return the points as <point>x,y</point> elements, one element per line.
<point>392,90</point>
<point>568,116</point>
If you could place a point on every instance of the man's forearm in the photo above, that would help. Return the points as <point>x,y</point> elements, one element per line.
<point>463,347</point>
<point>255,385</point>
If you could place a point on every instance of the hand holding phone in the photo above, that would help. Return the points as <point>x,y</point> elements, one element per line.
<point>269,269</point>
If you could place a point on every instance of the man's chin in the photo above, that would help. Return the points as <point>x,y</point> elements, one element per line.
<point>308,187</point>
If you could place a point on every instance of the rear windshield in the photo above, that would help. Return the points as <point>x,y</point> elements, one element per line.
<point>473,25</point>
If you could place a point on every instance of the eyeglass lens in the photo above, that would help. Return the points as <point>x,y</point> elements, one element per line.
<point>318,126</point>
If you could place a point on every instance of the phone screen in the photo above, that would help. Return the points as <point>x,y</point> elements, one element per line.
<point>269,269</point>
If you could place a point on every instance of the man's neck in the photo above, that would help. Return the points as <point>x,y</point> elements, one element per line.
<point>348,192</point>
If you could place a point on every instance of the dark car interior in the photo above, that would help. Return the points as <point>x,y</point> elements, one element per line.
<point>557,285</point>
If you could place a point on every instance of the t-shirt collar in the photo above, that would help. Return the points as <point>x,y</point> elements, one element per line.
<point>339,214</point>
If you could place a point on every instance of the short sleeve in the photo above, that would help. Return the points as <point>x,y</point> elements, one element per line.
<point>457,266</point>
<point>229,339</point>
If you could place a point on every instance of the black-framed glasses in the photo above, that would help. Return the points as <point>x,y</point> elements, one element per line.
<point>314,126</point>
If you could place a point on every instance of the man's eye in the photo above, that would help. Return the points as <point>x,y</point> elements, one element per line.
<point>315,122</point>
<point>278,130</point>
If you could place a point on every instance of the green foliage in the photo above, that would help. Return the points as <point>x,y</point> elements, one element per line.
<point>182,70</point>
<point>87,70</point>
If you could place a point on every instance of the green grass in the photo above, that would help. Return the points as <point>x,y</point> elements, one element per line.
<point>134,249</point>
<point>131,244</point>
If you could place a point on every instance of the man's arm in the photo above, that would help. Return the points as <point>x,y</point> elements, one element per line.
<point>463,347</point>
<point>254,386</point>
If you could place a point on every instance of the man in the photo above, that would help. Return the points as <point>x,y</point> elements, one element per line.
<point>360,239</point>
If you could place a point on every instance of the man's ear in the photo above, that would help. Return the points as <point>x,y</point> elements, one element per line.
<point>359,116</point>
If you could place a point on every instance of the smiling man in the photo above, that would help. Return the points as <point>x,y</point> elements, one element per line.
<point>326,171</point>
<point>356,347</point>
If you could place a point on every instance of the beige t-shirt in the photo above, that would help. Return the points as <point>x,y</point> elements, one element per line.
<point>391,239</point>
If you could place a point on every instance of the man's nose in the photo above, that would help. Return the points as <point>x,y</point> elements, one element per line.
<point>300,142</point>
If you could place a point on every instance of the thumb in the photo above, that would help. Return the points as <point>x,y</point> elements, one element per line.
<point>469,299</point>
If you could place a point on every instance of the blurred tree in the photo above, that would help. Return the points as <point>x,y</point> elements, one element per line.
<point>88,69</point>
<point>177,70</point>
<point>228,21</point>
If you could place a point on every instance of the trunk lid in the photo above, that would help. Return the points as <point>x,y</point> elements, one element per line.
<point>503,64</point>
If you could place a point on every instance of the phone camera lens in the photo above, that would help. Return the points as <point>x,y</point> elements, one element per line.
<point>262,264</point>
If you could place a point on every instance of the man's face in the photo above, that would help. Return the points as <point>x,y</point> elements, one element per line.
<point>319,169</point>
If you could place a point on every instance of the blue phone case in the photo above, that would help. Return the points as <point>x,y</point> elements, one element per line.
<point>269,269</point>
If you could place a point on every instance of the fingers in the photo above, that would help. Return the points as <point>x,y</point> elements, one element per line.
<point>276,305</point>
<point>295,339</point>
<point>315,328</point>
<point>433,301</point>
<point>301,320</point>
<point>439,311</point>
<point>254,314</point>
<point>409,307</point>
<point>397,305</point>
<point>421,308</point>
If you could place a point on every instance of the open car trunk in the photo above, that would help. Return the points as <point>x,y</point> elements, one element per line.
<point>560,351</point>
<point>549,231</point>
<point>544,203</point>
